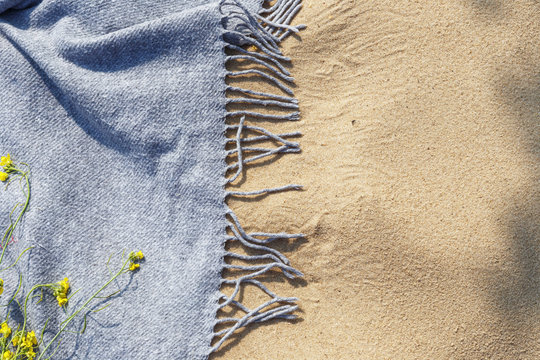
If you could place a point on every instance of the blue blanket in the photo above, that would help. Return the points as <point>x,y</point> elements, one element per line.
<point>119,107</point>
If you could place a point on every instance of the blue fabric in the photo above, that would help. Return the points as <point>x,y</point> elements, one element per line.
<point>119,107</point>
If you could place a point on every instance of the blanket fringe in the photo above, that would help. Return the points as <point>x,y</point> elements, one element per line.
<point>269,259</point>
<point>264,32</point>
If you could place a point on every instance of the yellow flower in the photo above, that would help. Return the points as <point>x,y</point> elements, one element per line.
<point>30,354</point>
<point>65,285</point>
<point>134,258</point>
<point>5,329</point>
<point>31,338</point>
<point>1,286</point>
<point>27,344</point>
<point>5,161</point>
<point>6,355</point>
<point>15,340</point>
<point>61,289</point>
<point>3,176</point>
<point>62,299</point>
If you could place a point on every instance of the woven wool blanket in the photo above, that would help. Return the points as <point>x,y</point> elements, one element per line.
<point>119,107</point>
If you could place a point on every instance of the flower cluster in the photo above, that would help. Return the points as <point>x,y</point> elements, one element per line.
<point>26,343</point>
<point>23,343</point>
<point>60,291</point>
<point>5,330</point>
<point>134,259</point>
<point>7,165</point>
<point>20,344</point>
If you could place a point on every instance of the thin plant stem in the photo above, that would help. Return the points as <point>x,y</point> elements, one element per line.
<point>72,316</point>
<point>12,227</point>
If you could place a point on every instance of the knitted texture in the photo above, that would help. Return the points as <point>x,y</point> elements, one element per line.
<point>119,107</point>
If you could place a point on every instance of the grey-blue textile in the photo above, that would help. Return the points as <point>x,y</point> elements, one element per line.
<point>119,108</point>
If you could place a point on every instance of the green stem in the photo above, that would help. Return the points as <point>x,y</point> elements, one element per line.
<point>12,227</point>
<point>25,313</point>
<point>16,261</point>
<point>72,316</point>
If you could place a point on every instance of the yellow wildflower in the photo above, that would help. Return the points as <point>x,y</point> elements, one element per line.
<point>15,340</point>
<point>30,354</point>
<point>7,355</point>
<point>65,285</point>
<point>31,338</point>
<point>134,258</point>
<point>3,176</point>
<point>5,329</point>
<point>61,289</point>
<point>62,299</point>
<point>5,161</point>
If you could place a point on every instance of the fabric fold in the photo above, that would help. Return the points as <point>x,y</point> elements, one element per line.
<point>120,108</point>
<point>123,130</point>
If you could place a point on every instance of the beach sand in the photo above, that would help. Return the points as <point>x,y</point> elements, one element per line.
<point>421,166</point>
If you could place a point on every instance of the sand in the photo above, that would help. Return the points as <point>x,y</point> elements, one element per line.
<point>421,166</point>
